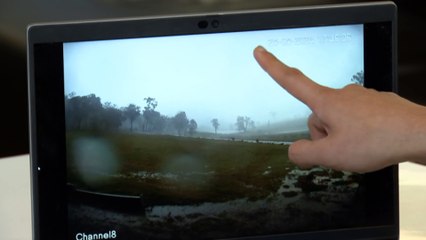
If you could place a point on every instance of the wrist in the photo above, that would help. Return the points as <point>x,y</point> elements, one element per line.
<point>416,137</point>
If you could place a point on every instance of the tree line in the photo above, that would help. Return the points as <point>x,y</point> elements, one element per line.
<point>89,113</point>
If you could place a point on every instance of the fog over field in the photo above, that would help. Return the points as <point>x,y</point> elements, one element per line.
<point>213,75</point>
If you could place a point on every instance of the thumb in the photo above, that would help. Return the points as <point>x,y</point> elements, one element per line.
<point>307,153</point>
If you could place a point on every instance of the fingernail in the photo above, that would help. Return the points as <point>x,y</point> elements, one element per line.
<point>260,49</point>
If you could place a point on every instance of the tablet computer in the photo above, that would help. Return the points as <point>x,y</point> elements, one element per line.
<point>166,128</point>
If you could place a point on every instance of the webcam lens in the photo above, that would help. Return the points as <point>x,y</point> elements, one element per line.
<point>203,24</point>
<point>215,23</point>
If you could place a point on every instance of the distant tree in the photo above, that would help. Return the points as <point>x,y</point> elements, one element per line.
<point>358,78</point>
<point>74,111</point>
<point>240,124</point>
<point>83,112</point>
<point>244,123</point>
<point>93,111</point>
<point>168,125</point>
<point>131,112</point>
<point>151,103</point>
<point>112,116</point>
<point>215,124</point>
<point>152,118</point>
<point>192,127</point>
<point>251,124</point>
<point>160,123</point>
<point>180,122</point>
<point>153,121</point>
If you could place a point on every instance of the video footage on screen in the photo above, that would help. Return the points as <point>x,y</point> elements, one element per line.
<point>185,137</point>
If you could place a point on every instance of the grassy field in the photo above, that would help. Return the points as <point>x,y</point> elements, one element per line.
<point>178,170</point>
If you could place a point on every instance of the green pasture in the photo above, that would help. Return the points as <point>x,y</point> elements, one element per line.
<point>181,170</point>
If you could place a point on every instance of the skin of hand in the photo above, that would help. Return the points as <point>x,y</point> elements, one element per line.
<point>354,128</point>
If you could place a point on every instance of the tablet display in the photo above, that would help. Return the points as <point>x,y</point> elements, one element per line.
<point>165,135</point>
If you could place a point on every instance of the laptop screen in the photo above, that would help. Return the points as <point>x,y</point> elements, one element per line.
<point>184,136</point>
<point>195,134</point>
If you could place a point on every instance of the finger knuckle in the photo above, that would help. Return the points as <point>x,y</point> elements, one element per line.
<point>352,87</point>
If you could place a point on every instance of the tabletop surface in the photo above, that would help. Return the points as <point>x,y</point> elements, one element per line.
<point>15,200</point>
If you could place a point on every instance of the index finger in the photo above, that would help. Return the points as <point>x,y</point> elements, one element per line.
<point>291,79</point>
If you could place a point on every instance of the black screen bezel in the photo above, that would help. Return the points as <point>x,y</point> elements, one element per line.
<point>46,86</point>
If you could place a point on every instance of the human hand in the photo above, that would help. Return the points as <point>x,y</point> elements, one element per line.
<point>353,128</point>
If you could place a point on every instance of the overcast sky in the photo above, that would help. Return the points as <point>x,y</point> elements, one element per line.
<point>213,75</point>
